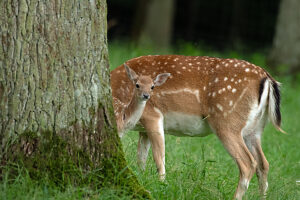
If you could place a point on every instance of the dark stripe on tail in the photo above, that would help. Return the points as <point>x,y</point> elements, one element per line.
<point>261,88</point>
<point>277,99</point>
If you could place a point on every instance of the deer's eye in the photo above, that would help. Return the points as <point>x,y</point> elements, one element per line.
<point>152,87</point>
<point>137,85</point>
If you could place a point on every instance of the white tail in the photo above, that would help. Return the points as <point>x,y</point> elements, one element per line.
<point>228,97</point>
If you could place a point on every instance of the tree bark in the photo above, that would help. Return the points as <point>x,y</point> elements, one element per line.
<point>158,23</point>
<point>286,43</point>
<point>56,114</point>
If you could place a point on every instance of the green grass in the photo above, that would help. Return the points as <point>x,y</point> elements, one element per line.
<point>197,168</point>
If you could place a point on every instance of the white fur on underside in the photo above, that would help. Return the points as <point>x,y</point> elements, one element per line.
<point>181,124</point>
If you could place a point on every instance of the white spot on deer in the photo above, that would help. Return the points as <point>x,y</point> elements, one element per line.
<point>231,61</point>
<point>235,65</point>
<point>220,91</point>
<point>232,79</point>
<point>247,70</point>
<point>245,78</point>
<point>209,83</point>
<point>216,80</point>
<point>190,64</point>
<point>173,66</point>
<point>235,75</point>
<point>213,94</point>
<point>183,67</point>
<point>226,65</point>
<point>178,72</point>
<point>189,70</point>
<point>198,63</point>
<point>153,64</point>
<point>219,107</point>
<point>184,90</point>
<point>158,63</point>
<point>143,71</point>
<point>233,90</point>
<point>224,89</point>
<point>209,94</point>
<point>176,59</point>
<point>118,71</point>
<point>217,66</point>
<point>166,63</point>
<point>225,78</point>
<point>204,88</point>
<point>154,73</point>
<point>198,68</point>
<point>239,99</point>
<point>230,103</point>
<point>239,80</point>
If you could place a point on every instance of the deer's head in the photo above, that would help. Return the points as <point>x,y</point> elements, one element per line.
<point>144,85</point>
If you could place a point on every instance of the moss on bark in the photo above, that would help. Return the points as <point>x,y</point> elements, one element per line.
<point>47,157</point>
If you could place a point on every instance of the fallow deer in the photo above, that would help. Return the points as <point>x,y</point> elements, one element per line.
<point>228,97</point>
<point>129,111</point>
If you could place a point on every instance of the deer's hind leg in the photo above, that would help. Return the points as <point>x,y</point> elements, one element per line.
<point>234,144</point>
<point>252,138</point>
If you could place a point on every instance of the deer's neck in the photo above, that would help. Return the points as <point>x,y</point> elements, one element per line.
<point>132,113</point>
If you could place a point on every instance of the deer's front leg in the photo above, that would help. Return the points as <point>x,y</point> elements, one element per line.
<point>143,149</point>
<point>155,132</point>
<point>158,150</point>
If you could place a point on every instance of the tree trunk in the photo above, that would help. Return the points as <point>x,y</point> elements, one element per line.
<point>158,23</point>
<point>286,44</point>
<point>56,115</point>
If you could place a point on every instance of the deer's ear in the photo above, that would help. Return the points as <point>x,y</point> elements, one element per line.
<point>131,74</point>
<point>161,79</point>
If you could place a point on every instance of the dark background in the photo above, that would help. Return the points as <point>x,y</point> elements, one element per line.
<point>216,23</point>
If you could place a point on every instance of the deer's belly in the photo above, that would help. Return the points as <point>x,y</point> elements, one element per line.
<point>180,124</point>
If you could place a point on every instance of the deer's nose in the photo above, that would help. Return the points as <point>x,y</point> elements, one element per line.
<point>146,96</point>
